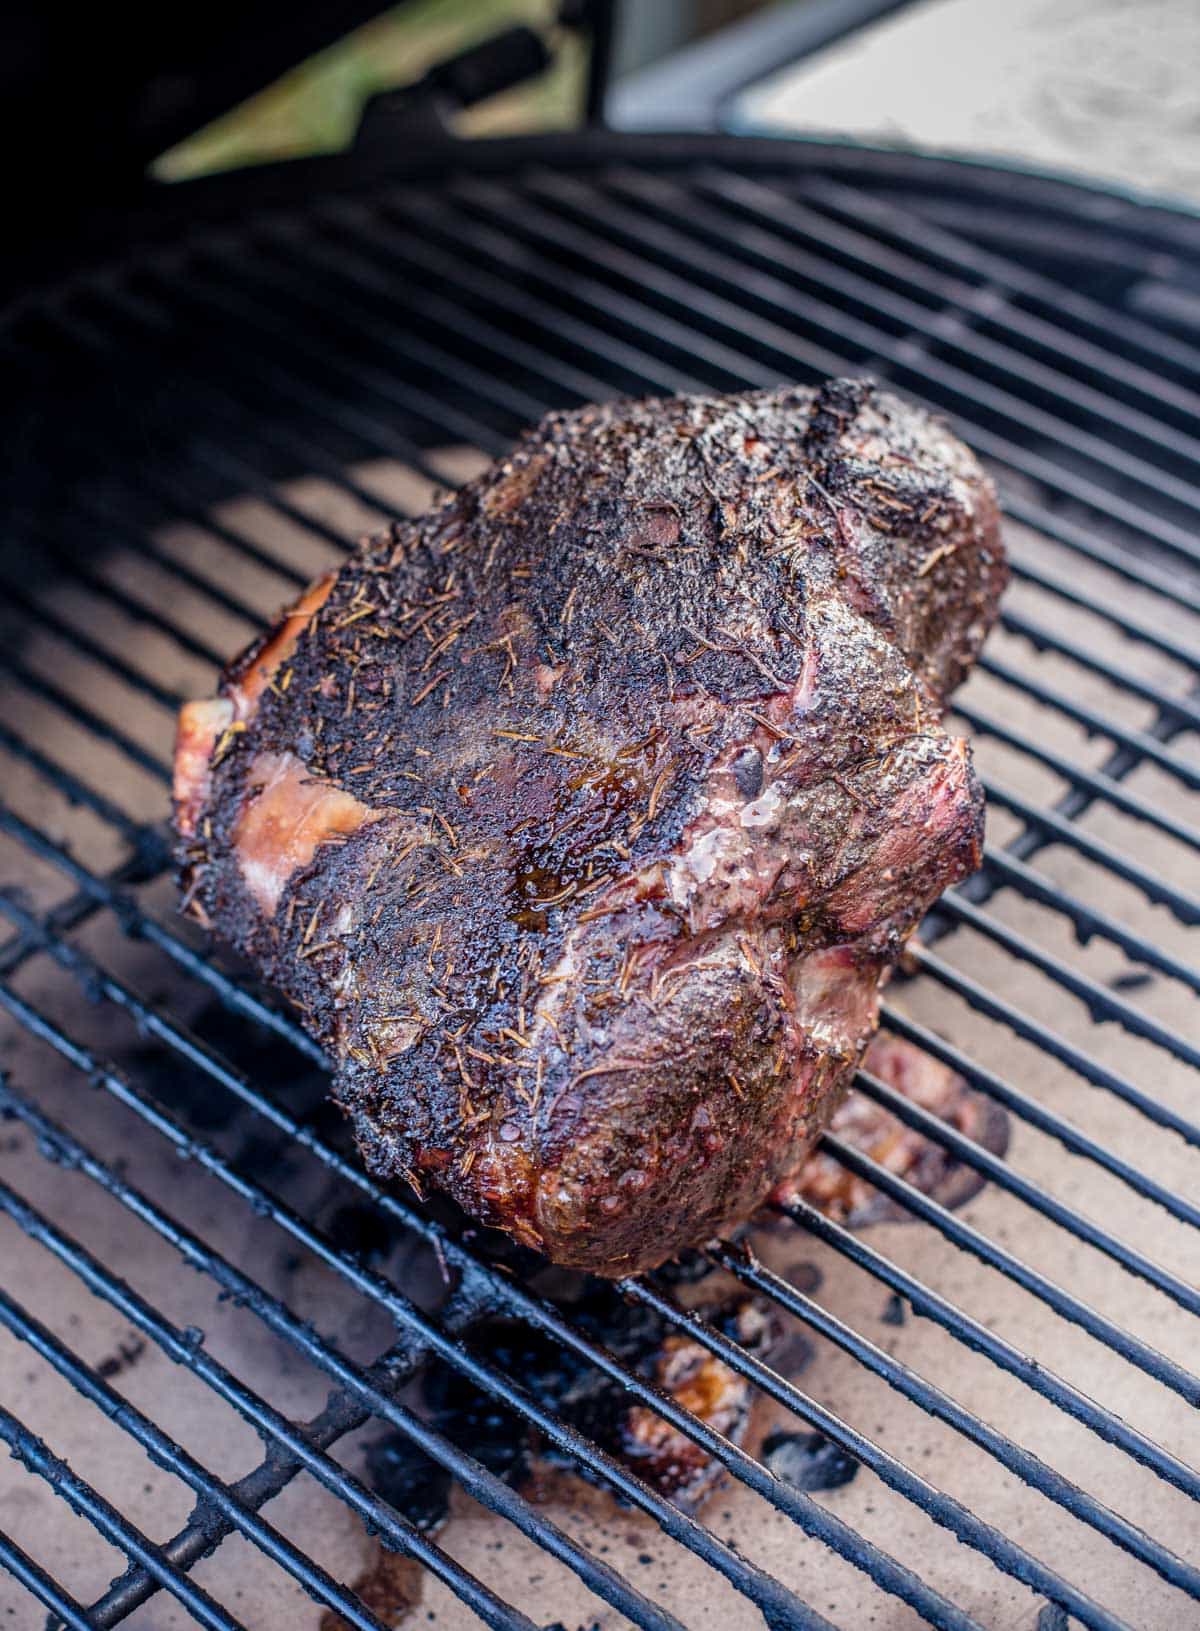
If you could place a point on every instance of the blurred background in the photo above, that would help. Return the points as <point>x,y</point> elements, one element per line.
<point>314,108</point>
<point>1101,87</point>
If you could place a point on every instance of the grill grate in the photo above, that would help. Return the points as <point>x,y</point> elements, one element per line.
<point>201,431</point>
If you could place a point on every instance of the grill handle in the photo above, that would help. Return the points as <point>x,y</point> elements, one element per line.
<point>421,111</point>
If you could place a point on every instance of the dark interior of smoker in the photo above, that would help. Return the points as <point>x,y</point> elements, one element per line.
<point>166,353</point>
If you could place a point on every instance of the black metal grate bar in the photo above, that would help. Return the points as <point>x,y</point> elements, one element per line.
<point>508,299</point>
<point>1135,742</point>
<point>1028,1109</point>
<point>103,729</point>
<point>279,1433</point>
<point>79,1495</point>
<point>1096,784</point>
<point>1101,1003</point>
<point>1070,1307</point>
<point>974,284</point>
<point>472,1475</point>
<point>239,411</point>
<point>1050,1042</point>
<point>1181,710</point>
<point>73,789</point>
<point>949,324</point>
<point>657,248</point>
<point>800,1509</point>
<point>963,1524</point>
<point>207,1528</point>
<point>1088,919</point>
<point>363,272</point>
<point>679,382</point>
<point>169,1455</point>
<point>71,635</point>
<point>945,1511</point>
<point>42,1586</point>
<point>648,320</point>
<point>1138,628</point>
<point>144,926</point>
<point>1089,544</point>
<point>767,1593</point>
<point>1108,322</point>
<point>69,564</point>
<point>1036,1375</point>
<point>466,272</point>
<point>1183,906</point>
<point>1096,724</point>
<point>742,1264</point>
<point>1001,1173</point>
<point>515,303</point>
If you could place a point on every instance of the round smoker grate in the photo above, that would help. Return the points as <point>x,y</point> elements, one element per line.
<point>202,429</point>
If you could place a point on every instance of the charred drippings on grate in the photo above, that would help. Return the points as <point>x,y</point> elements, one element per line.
<point>581,817</point>
<point>595,1404</point>
<point>868,1127</point>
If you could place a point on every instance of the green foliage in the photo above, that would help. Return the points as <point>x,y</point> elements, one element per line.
<point>315,107</point>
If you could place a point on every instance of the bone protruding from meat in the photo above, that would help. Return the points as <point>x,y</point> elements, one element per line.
<point>251,677</point>
<point>202,726</point>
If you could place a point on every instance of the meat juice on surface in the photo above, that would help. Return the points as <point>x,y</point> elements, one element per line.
<point>581,818</point>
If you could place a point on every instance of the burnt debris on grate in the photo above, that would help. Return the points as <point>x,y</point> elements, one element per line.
<point>243,404</point>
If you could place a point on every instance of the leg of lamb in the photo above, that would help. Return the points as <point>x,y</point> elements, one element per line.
<point>581,818</point>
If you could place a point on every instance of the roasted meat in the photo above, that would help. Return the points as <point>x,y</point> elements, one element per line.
<point>581,818</point>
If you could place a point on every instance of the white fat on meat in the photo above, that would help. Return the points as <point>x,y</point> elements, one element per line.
<point>286,814</point>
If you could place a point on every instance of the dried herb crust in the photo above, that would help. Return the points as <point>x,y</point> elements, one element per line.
<point>647,721</point>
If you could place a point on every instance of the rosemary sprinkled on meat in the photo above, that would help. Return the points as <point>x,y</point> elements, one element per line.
<point>581,817</point>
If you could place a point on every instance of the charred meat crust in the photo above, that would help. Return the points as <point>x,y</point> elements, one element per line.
<point>646,721</point>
